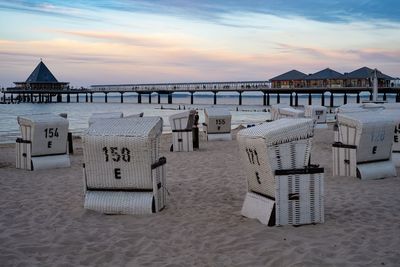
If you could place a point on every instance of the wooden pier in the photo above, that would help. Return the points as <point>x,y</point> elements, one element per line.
<point>16,95</point>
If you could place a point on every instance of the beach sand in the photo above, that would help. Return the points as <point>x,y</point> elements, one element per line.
<point>43,223</point>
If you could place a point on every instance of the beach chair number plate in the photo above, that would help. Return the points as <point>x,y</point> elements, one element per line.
<point>116,154</point>
<point>51,132</point>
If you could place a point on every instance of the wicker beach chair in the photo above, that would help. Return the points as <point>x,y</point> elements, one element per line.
<point>317,113</point>
<point>363,145</point>
<point>106,115</point>
<point>218,124</point>
<point>123,173</point>
<point>282,188</point>
<point>43,144</point>
<point>280,111</point>
<point>182,125</point>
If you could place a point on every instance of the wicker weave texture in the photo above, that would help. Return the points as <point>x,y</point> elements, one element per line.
<point>111,202</point>
<point>100,116</point>
<point>23,156</point>
<point>280,146</point>
<point>299,199</point>
<point>47,132</point>
<point>119,156</point>
<point>344,162</point>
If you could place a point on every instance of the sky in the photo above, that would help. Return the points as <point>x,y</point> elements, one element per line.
<point>126,41</point>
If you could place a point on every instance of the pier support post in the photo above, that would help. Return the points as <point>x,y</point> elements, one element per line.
<point>268,99</point>
<point>331,102</point>
<point>105,98</point>
<point>345,99</point>
<point>296,100</point>
<point>291,99</point>
<point>31,97</point>
<point>358,98</point>
<point>91,97</point>
<point>215,97</point>
<point>191,98</point>
<point>122,97</point>
<point>264,99</point>
<point>159,97</point>
<point>278,98</point>
<point>86,98</point>
<point>309,99</point>
<point>370,97</point>
<point>59,98</point>
<point>11,98</point>
<point>139,98</point>
<point>397,97</point>
<point>169,98</point>
<point>384,96</point>
<point>323,99</point>
<point>77,98</point>
<point>240,98</point>
<point>68,98</point>
<point>150,98</point>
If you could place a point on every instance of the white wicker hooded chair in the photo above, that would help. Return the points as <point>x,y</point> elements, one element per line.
<point>363,145</point>
<point>123,173</point>
<point>218,124</point>
<point>43,144</point>
<point>181,126</point>
<point>276,159</point>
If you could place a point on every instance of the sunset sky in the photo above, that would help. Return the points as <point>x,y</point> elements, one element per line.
<point>108,42</point>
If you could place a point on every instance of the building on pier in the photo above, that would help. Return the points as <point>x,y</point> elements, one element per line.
<point>290,79</point>
<point>41,79</point>
<point>362,77</point>
<point>325,78</point>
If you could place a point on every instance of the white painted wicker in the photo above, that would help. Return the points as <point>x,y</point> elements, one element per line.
<point>290,112</point>
<point>43,135</point>
<point>218,123</point>
<point>317,113</point>
<point>106,115</point>
<point>299,199</point>
<point>282,145</point>
<point>122,155</point>
<point>370,135</point>
<point>181,125</point>
<point>275,111</point>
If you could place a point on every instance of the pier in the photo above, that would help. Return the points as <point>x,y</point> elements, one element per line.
<point>16,95</point>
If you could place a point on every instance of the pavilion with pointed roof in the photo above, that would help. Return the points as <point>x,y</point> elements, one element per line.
<point>41,79</point>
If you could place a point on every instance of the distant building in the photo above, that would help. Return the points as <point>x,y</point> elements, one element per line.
<point>325,78</point>
<point>328,78</point>
<point>363,77</point>
<point>41,79</point>
<point>290,79</point>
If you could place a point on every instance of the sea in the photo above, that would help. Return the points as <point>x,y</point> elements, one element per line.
<point>250,112</point>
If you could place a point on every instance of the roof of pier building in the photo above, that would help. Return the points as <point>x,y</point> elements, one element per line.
<point>41,75</point>
<point>290,76</point>
<point>325,74</point>
<point>366,73</point>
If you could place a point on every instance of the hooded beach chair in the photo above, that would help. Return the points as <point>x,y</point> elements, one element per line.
<point>282,188</point>
<point>123,172</point>
<point>43,142</point>
<point>218,124</point>
<point>181,126</point>
<point>363,145</point>
<point>317,113</point>
<point>280,111</point>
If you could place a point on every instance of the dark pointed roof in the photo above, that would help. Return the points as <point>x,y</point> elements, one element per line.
<point>325,74</point>
<point>41,74</point>
<point>290,75</point>
<point>365,73</point>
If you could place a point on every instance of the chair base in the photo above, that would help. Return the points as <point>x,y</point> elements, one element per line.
<point>299,200</point>
<point>219,137</point>
<point>376,170</point>
<point>25,160</point>
<point>120,202</point>
<point>182,141</point>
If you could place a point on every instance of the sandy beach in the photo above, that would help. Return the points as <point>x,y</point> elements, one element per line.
<point>43,223</point>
